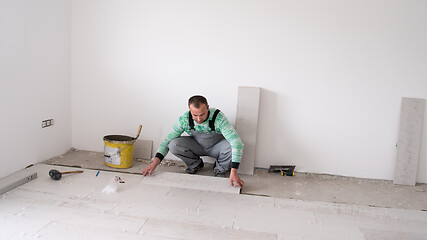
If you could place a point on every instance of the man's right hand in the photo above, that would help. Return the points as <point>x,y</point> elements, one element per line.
<point>150,168</point>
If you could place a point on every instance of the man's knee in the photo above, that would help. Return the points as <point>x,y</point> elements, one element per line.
<point>174,146</point>
<point>225,148</point>
<point>224,158</point>
<point>225,152</point>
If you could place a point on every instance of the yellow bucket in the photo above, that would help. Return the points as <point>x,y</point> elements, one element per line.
<point>118,150</point>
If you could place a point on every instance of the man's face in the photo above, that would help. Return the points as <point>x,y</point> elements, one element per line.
<point>199,114</point>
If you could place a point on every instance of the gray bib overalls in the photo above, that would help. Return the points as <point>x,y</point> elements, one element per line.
<point>190,148</point>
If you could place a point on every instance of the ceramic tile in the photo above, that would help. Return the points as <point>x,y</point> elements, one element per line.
<point>325,232</point>
<point>21,225</point>
<point>154,227</point>
<point>76,208</point>
<point>72,231</point>
<point>386,223</point>
<point>274,220</point>
<point>374,234</point>
<point>188,181</point>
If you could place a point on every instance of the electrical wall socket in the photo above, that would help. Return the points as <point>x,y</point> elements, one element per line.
<point>47,123</point>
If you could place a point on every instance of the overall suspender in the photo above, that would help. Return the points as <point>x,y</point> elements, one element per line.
<point>211,122</point>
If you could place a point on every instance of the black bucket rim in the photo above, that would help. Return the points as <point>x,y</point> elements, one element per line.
<point>119,139</point>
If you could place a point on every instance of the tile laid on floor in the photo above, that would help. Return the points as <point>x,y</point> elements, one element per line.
<point>325,232</point>
<point>374,234</point>
<point>188,181</point>
<point>72,231</point>
<point>386,222</point>
<point>369,220</point>
<point>145,208</point>
<point>18,226</point>
<point>156,228</point>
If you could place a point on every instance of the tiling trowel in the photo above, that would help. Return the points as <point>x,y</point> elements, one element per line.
<point>285,170</point>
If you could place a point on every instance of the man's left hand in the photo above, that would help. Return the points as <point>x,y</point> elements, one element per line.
<point>234,178</point>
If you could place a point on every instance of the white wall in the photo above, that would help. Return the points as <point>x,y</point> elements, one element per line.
<point>35,81</point>
<point>332,72</point>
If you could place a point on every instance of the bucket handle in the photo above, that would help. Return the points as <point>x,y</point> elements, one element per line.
<point>119,151</point>
<point>111,155</point>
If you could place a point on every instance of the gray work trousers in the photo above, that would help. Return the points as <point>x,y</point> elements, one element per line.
<point>189,150</point>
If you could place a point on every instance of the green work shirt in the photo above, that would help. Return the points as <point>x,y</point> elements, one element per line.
<point>222,126</point>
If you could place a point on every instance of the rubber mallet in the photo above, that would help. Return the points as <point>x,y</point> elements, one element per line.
<point>56,175</point>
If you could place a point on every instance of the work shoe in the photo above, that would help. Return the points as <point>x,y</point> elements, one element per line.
<point>218,173</point>
<point>196,169</point>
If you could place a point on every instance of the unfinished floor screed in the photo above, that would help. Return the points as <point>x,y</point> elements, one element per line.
<point>160,207</point>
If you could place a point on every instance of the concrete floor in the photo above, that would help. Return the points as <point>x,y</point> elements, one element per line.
<point>169,205</point>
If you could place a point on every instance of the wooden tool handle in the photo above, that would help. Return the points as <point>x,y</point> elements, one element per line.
<point>139,131</point>
<point>72,172</point>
